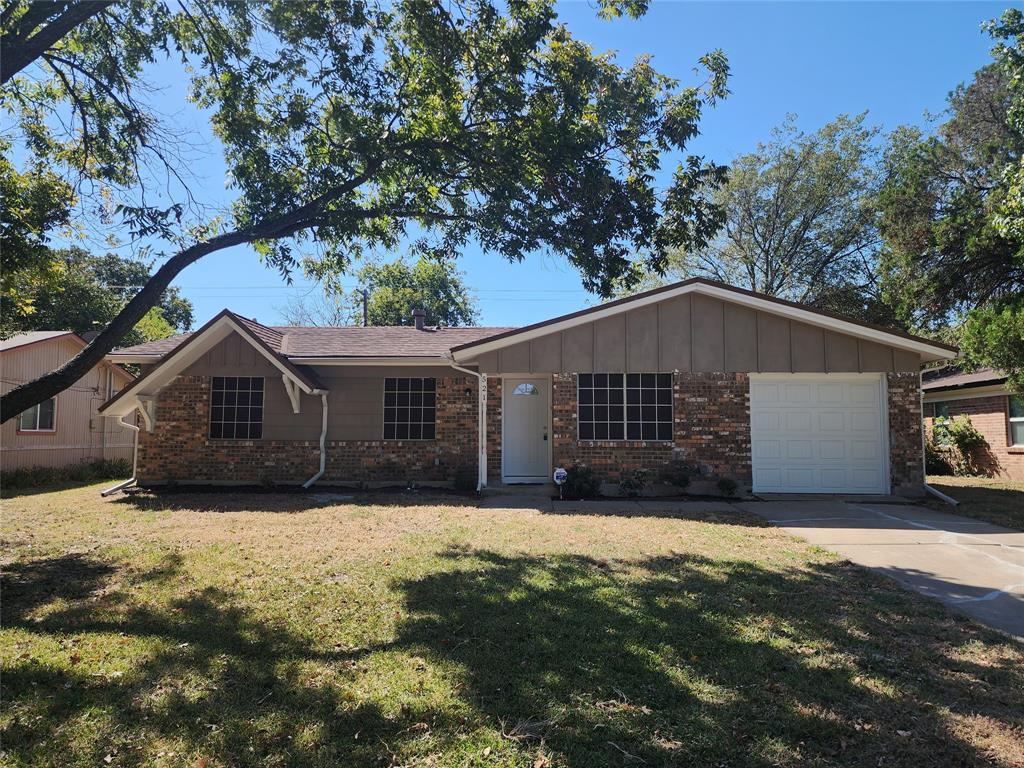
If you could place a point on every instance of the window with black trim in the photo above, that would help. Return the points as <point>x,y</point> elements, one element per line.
<point>616,406</point>
<point>410,408</point>
<point>236,408</point>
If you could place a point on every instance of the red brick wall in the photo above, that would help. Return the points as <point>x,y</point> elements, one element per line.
<point>906,461</point>
<point>989,415</point>
<point>179,450</point>
<point>711,413</point>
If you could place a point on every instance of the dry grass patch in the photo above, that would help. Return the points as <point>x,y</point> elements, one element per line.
<point>994,501</point>
<point>266,630</point>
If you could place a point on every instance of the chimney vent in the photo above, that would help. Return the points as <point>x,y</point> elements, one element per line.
<point>419,317</point>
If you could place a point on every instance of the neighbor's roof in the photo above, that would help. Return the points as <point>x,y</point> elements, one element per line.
<point>951,377</point>
<point>31,337</point>
<point>334,341</point>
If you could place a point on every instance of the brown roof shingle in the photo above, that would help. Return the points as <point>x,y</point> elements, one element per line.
<point>952,377</point>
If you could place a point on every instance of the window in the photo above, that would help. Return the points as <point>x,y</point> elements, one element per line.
<point>409,408</point>
<point>942,410</point>
<point>940,425</point>
<point>39,418</point>
<point>525,389</point>
<point>616,406</point>
<point>1017,420</point>
<point>236,408</point>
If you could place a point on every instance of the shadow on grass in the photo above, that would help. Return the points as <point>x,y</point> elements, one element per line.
<point>989,500</point>
<point>676,660</point>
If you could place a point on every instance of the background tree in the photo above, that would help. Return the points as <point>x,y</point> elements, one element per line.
<point>954,236</point>
<point>800,221</point>
<point>84,292</point>
<point>349,127</point>
<point>397,288</point>
<point>322,306</point>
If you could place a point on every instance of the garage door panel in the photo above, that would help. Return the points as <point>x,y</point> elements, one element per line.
<point>821,434</point>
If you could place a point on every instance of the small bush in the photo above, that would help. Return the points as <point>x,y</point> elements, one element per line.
<point>634,483</point>
<point>936,461</point>
<point>464,480</point>
<point>85,472</point>
<point>581,482</point>
<point>678,473</point>
<point>727,486</point>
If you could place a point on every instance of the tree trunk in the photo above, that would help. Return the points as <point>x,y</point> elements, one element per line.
<point>21,46</point>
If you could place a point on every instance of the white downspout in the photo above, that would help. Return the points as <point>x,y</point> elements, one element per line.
<point>135,461</point>
<point>481,387</point>
<point>323,439</point>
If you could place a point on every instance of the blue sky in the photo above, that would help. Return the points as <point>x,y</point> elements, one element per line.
<point>815,60</point>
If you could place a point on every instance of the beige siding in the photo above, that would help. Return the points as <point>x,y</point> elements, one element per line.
<point>80,434</point>
<point>355,403</point>
<point>701,334</point>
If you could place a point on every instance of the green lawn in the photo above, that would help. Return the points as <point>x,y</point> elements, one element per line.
<point>995,501</point>
<point>268,630</point>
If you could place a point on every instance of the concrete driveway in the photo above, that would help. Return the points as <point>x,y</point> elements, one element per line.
<point>974,567</point>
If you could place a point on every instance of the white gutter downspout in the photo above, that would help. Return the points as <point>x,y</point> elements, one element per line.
<point>924,463</point>
<point>481,378</point>
<point>135,461</point>
<point>323,438</point>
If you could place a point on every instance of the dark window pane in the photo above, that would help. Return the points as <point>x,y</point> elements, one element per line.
<point>415,385</point>
<point>615,380</point>
<point>648,413</point>
<point>429,398</point>
<point>664,431</point>
<point>229,414</point>
<point>632,413</point>
<point>216,429</point>
<point>600,413</point>
<point>218,397</point>
<point>243,398</point>
<point>633,396</point>
<point>633,380</point>
<point>665,396</point>
<point>428,416</point>
<point>600,431</point>
<point>229,430</point>
<point>390,414</point>
<point>257,384</point>
<point>615,412</point>
<point>600,395</point>
<point>403,385</point>
<point>429,385</point>
<point>585,380</point>
<point>632,431</point>
<point>648,380</point>
<point>389,431</point>
<point>615,431</point>
<point>615,396</point>
<point>403,398</point>
<point>649,431</point>
<point>586,431</point>
<point>664,413</point>
<point>586,413</point>
<point>416,399</point>
<point>586,396</point>
<point>389,398</point>
<point>600,380</point>
<point>230,382</point>
<point>390,385</point>
<point>428,431</point>
<point>402,431</point>
<point>664,379</point>
<point>217,414</point>
<point>415,431</point>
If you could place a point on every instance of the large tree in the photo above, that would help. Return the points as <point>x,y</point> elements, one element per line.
<point>356,126</point>
<point>952,214</point>
<point>800,220</point>
<point>395,289</point>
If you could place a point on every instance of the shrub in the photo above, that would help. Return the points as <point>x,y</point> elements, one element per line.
<point>967,440</point>
<point>677,473</point>
<point>85,472</point>
<point>936,460</point>
<point>464,480</point>
<point>581,482</point>
<point>727,486</point>
<point>633,483</point>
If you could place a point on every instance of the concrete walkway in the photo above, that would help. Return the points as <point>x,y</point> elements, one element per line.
<point>973,567</point>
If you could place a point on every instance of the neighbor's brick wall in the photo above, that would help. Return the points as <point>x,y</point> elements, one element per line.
<point>179,449</point>
<point>989,415</point>
<point>711,414</point>
<point>905,447</point>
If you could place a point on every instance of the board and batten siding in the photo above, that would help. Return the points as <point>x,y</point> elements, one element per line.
<point>355,404</point>
<point>697,334</point>
<point>81,434</point>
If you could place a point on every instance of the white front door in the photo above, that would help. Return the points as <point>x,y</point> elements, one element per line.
<point>818,433</point>
<point>524,428</point>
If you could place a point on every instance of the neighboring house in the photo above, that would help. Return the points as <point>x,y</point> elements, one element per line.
<point>773,394</point>
<point>65,429</point>
<point>993,409</point>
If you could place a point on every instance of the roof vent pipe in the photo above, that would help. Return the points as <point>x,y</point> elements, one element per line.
<point>419,317</point>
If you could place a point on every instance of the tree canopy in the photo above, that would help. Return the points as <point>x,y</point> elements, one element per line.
<point>357,127</point>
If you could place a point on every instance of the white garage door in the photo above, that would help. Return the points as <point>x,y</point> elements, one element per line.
<point>817,434</point>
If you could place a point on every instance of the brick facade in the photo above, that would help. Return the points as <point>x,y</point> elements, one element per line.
<point>989,414</point>
<point>711,415</point>
<point>179,449</point>
<point>906,459</point>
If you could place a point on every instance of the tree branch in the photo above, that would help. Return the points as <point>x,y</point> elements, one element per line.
<point>22,46</point>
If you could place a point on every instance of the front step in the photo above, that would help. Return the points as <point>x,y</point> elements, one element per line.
<point>521,489</point>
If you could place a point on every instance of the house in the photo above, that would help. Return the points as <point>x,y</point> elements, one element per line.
<point>995,412</point>
<point>773,394</point>
<point>65,429</point>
